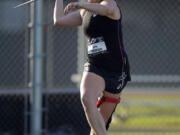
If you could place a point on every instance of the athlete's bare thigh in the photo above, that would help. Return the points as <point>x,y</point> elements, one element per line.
<point>92,85</point>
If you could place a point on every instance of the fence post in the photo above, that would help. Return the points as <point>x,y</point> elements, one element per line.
<point>36,119</point>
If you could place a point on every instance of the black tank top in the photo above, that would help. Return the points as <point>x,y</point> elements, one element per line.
<point>115,59</point>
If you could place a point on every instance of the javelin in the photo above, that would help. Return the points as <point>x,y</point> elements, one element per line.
<point>25,3</point>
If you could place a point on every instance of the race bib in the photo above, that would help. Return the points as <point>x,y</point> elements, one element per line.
<point>96,47</point>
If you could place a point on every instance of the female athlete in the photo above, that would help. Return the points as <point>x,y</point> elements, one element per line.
<point>106,71</point>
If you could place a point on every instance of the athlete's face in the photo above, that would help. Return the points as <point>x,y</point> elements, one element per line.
<point>93,1</point>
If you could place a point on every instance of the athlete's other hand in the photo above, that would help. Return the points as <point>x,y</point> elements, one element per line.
<point>72,6</point>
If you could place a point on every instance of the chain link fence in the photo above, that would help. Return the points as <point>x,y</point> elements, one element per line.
<point>150,31</point>
<point>13,67</point>
<point>149,103</point>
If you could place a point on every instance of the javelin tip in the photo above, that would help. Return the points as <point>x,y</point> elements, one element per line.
<point>25,3</point>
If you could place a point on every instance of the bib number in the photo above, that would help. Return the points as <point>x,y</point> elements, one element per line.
<point>97,48</point>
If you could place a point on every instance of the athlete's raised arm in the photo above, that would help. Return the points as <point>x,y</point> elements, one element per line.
<point>71,19</point>
<point>105,8</point>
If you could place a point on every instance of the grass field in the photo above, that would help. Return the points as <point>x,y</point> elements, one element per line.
<point>152,114</point>
<point>143,133</point>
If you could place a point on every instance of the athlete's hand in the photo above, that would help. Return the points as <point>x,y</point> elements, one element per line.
<point>72,6</point>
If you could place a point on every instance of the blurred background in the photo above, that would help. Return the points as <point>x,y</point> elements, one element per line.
<point>150,103</point>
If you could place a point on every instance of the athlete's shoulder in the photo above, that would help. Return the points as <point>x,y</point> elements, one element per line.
<point>113,7</point>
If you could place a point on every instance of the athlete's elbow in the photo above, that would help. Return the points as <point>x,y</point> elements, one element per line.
<point>54,22</point>
<point>57,23</point>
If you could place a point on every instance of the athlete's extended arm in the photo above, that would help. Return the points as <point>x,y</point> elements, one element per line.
<point>105,8</point>
<point>71,19</point>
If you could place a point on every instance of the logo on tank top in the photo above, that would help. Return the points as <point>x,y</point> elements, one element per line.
<point>94,15</point>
